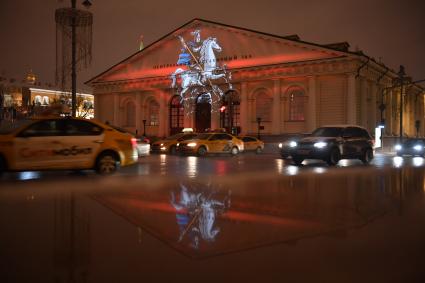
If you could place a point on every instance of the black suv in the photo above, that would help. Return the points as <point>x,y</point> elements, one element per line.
<point>332,143</point>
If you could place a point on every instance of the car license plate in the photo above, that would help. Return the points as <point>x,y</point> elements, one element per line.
<point>303,151</point>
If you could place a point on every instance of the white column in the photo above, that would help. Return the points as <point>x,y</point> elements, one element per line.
<point>389,112</point>
<point>311,105</point>
<point>363,103</point>
<point>215,119</point>
<point>139,124</point>
<point>276,108</point>
<point>97,113</point>
<point>189,115</point>
<point>244,109</point>
<point>351,100</point>
<point>116,109</point>
<point>373,94</point>
<point>162,111</point>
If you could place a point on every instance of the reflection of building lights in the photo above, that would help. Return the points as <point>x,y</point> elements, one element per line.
<point>192,166</point>
<point>23,176</point>
<point>279,165</point>
<point>163,158</point>
<point>292,170</point>
<point>418,161</point>
<point>319,170</point>
<point>397,161</point>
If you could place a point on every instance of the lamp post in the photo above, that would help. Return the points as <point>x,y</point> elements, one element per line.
<point>87,4</point>
<point>144,127</point>
<point>401,74</point>
<point>259,126</point>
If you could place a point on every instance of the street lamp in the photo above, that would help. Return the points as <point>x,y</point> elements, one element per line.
<point>144,127</point>
<point>401,74</point>
<point>258,126</point>
<point>86,4</point>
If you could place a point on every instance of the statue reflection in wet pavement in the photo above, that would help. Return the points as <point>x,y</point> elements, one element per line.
<point>196,212</point>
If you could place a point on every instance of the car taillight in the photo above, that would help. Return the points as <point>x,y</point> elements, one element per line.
<point>134,142</point>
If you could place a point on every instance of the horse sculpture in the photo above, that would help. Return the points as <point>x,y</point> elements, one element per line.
<point>203,71</point>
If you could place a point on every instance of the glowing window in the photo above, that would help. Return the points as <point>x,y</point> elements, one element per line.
<point>153,113</point>
<point>263,106</point>
<point>130,114</point>
<point>296,98</point>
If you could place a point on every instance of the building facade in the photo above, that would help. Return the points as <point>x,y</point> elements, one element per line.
<point>210,75</point>
<point>28,99</point>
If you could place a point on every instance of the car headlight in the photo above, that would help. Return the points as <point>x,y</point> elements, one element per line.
<point>418,147</point>
<point>178,144</point>
<point>161,144</point>
<point>191,144</point>
<point>320,144</point>
<point>398,147</point>
<point>280,145</point>
<point>293,144</point>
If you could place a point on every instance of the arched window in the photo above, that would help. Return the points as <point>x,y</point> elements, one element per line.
<point>130,114</point>
<point>296,97</point>
<point>153,113</point>
<point>230,113</point>
<point>263,105</point>
<point>176,115</point>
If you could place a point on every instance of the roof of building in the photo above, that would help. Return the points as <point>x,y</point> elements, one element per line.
<point>338,47</point>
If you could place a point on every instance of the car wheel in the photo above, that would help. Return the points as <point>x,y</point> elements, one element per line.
<point>173,150</point>
<point>258,150</point>
<point>334,157</point>
<point>234,150</point>
<point>297,160</point>
<point>367,156</point>
<point>107,164</point>
<point>202,151</point>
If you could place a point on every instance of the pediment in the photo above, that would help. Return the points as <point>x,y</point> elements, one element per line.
<point>240,48</point>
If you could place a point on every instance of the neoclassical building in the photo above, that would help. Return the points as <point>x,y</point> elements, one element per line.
<point>211,75</point>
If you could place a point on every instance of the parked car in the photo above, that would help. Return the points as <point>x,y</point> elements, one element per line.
<point>142,142</point>
<point>252,144</point>
<point>332,143</point>
<point>413,147</point>
<point>169,145</point>
<point>206,143</point>
<point>143,146</point>
<point>66,143</point>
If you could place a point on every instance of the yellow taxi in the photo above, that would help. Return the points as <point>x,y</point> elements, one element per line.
<point>206,143</point>
<point>65,143</point>
<point>252,144</point>
<point>169,145</point>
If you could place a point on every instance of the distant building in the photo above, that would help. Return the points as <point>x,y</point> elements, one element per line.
<point>30,98</point>
<point>211,75</point>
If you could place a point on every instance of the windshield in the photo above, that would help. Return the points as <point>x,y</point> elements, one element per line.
<point>413,142</point>
<point>202,136</point>
<point>327,132</point>
<point>174,137</point>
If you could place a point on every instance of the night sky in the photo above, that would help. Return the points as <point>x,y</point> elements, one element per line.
<point>392,30</point>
